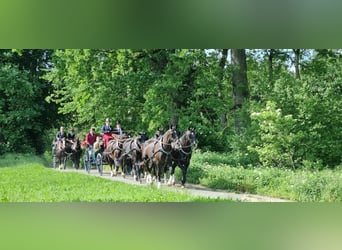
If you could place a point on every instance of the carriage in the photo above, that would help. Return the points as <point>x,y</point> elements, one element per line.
<point>154,156</point>
<point>89,160</point>
<point>100,157</point>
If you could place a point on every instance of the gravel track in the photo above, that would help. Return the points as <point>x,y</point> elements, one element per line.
<point>192,189</point>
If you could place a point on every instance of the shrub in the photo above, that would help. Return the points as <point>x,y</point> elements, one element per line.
<point>275,144</point>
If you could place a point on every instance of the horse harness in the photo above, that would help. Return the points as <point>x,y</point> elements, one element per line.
<point>161,149</point>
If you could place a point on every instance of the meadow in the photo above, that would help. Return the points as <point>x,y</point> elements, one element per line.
<point>26,178</point>
<point>30,178</point>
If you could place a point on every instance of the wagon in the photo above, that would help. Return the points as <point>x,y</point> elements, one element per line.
<point>89,162</point>
<point>110,155</point>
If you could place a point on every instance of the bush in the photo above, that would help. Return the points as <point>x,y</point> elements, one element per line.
<point>276,142</point>
<point>307,185</point>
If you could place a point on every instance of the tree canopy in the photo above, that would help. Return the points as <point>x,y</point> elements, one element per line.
<point>269,107</point>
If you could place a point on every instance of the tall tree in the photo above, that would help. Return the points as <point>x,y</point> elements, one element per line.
<point>270,54</point>
<point>297,53</point>
<point>22,69</point>
<point>222,63</point>
<point>240,86</point>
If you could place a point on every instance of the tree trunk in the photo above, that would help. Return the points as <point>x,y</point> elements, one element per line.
<point>223,117</point>
<point>240,86</point>
<point>271,54</point>
<point>296,62</point>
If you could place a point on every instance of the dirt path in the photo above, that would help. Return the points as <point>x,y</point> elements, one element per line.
<point>192,189</point>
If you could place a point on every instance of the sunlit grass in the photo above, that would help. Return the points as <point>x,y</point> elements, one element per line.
<point>25,179</point>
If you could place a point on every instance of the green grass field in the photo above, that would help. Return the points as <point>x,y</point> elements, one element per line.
<point>26,179</point>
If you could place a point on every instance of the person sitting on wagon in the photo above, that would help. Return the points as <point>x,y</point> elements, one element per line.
<point>159,133</point>
<point>60,138</point>
<point>98,145</point>
<point>90,140</point>
<point>118,130</point>
<point>71,136</point>
<point>107,132</point>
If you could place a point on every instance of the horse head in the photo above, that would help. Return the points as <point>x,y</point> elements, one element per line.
<point>190,137</point>
<point>76,146</point>
<point>171,135</point>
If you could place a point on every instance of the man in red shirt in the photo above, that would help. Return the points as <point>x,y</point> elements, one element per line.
<point>91,137</point>
<point>90,140</point>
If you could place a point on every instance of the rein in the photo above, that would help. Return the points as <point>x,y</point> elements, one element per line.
<point>138,148</point>
<point>161,146</point>
<point>185,147</point>
<point>159,141</point>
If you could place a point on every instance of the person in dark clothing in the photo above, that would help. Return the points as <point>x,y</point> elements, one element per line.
<point>159,133</point>
<point>71,135</point>
<point>107,132</point>
<point>60,138</point>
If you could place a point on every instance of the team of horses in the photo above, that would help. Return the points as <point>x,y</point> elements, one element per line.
<point>146,158</point>
<point>67,150</point>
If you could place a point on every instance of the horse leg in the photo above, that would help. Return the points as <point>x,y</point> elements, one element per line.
<point>123,168</point>
<point>136,171</point>
<point>184,171</point>
<point>116,167</point>
<point>77,161</point>
<point>149,178</point>
<point>172,174</point>
<point>158,176</point>
<point>64,164</point>
<point>61,164</point>
<point>160,173</point>
<point>112,168</point>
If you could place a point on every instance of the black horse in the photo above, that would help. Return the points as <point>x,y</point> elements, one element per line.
<point>181,155</point>
<point>76,150</point>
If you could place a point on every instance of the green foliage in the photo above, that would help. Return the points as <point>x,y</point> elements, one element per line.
<point>145,89</point>
<point>306,130</point>
<point>17,110</point>
<point>297,126</point>
<point>213,170</point>
<point>24,115</point>
<point>276,142</point>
